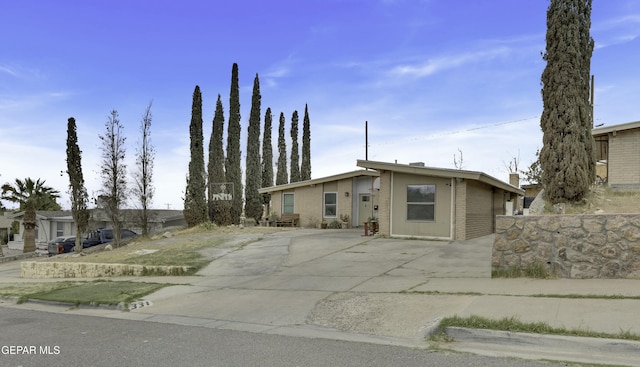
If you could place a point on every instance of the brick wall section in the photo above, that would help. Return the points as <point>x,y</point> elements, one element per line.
<point>479,220</point>
<point>45,270</point>
<point>460,210</point>
<point>624,154</point>
<point>571,246</point>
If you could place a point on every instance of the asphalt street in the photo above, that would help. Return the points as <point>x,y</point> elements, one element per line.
<point>35,338</point>
<point>340,285</point>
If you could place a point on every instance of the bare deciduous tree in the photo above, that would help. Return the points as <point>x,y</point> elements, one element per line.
<point>114,172</point>
<point>457,160</point>
<point>143,189</point>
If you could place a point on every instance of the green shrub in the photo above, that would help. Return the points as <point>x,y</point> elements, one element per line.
<point>335,225</point>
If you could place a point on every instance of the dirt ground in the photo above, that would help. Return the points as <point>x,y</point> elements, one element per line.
<point>604,200</point>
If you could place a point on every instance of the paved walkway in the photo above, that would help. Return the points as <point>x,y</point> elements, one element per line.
<point>341,285</point>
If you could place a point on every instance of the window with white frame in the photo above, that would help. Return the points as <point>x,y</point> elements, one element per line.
<point>330,204</point>
<point>59,229</point>
<point>421,202</point>
<point>287,203</point>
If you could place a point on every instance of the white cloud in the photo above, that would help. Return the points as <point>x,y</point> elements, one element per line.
<point>8,70</point>
<point>437,64</point>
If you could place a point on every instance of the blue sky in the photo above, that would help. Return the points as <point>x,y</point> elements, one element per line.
<point>432,78</point>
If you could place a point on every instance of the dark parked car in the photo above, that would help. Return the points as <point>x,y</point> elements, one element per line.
<point>105,235</point>
<point>61,245</point>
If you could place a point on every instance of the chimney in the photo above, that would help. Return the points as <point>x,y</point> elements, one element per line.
<point>514,179</point>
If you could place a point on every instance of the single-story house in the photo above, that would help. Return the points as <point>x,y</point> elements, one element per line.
<point>617,153</point>
<point>49,225</point>
<point>438,203</point>
<point>5,228</point>
<point>352,194</point>
<point>52,224</point>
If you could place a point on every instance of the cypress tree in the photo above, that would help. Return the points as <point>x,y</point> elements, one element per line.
<point>77,191</point>
<point>267,160</point>
<point>305,167</point>
<point>267,151</point>
<point>195,207</point>
<point>295,157</point>
<point>253,202</point>
<point>233,173</point>
<point>567,155</point>
<point>218,210</point>
<point>282,176</point>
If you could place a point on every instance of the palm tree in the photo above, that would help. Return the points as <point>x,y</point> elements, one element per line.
<point>43,197</point>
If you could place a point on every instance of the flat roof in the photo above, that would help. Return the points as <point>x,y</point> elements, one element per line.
<point>609,129</point>
<point>440,172</point>
<point>316,181</point>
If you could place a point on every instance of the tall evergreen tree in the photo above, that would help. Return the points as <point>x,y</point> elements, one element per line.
<point>305,167</point>
<point>295,155</point>
<point>267,158</point>
<point>233,171</point>
<point>218,210</point>
<point>195,207</point>
<point>114,172</point>
<point>567,155</point>
<point>77,191</point>
<point>282,176</point>
<point>267,151</point>
<point>253,180</point>
<point>143,189</point>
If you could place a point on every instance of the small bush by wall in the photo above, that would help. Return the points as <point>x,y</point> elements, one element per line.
<point>570,246</point>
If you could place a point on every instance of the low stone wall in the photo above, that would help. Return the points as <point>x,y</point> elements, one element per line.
<point>44,270</point>
<point>571,246</point>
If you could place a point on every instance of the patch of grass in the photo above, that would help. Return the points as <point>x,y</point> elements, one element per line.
<point>438,293</point>
<point>21,290</point>
<point>173,252</point>
<point>585,296</point>
<point>97,293</point>
<point>513,324</point>
<point>510,272</point>
<point>535,270</point>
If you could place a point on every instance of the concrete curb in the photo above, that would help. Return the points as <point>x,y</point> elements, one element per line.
<point>544,347</point>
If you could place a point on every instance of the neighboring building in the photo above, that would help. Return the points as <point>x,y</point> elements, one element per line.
<point>49,225</point>
<point>5,228</point>
<point>52,224</point>
<point>437,203</point>
<point>618,155</point>
<point>352,193</point>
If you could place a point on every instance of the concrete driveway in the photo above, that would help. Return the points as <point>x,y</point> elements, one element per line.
<point>323,280</point>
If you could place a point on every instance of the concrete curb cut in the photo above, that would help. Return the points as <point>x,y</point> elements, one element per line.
<point>549,347</point>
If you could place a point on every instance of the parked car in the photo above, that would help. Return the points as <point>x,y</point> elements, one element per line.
<point>105,235</point>
<point>61,245</point>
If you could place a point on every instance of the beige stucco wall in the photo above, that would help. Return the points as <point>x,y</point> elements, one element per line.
<point>384,204</point>
<point>624,165</point>
<point>440,227</point>
<point>308,201</point>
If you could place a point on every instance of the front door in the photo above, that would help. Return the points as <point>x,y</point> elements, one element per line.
<point>365,208</point>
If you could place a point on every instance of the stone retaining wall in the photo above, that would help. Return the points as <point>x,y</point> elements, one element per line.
<point>42,270</point>
<point>571,246</point>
